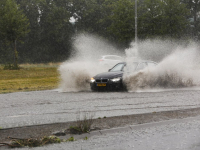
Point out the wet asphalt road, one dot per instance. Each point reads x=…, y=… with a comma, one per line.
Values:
x=41, y=107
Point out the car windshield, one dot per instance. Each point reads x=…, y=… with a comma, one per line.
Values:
x=117, y=67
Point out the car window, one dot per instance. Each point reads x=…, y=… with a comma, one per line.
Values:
x=117, y=67
x=141, y=66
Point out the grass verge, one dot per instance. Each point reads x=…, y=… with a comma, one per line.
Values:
x=15, y=142
x=29, y=78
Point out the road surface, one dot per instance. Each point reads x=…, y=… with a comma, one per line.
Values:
x=42, y=107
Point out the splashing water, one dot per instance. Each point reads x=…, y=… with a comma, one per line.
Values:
x=178, y=66
x=76, y=73
x=132, y=51
x=179, y=69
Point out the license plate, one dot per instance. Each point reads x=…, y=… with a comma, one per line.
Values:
x=101, y=84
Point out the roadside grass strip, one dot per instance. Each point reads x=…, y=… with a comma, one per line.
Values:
x=31, y=142
x=28, y=79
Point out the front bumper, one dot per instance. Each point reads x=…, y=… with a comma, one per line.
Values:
x=110, y=86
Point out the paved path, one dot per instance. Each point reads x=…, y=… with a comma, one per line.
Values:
x=40, y=107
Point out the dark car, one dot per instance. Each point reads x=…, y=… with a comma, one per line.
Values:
x=112, y=80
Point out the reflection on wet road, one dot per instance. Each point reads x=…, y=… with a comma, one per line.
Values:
x=41, y=107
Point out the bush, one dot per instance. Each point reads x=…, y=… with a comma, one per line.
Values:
x=71, y=139
x=11, y=67
x=82, y=125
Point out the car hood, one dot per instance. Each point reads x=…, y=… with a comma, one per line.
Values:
x=109, y=75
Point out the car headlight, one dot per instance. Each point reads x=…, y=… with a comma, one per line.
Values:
x=115, y=79
x=92, y=80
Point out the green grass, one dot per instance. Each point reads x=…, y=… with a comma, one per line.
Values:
x=71, y=139
x=29, y=78
x=31, y=142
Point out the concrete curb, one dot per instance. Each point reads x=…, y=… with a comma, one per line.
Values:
x=116, y=124
x=130, y=128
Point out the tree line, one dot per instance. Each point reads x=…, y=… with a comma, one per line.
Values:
x=39, y=31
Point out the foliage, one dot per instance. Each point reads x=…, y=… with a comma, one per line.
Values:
x=156, y=18
x=51, y=33
x=115, y=20
x=86, y=138
x=82, y=125
x=13, y=25
x=150, y=19
x=50, y=139
x=71, y=139
x=122, y=27
x=32, y=142
x=194, y=7
x=11, y=67
x=174, y=18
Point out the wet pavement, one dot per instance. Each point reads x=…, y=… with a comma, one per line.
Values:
x=43, y=107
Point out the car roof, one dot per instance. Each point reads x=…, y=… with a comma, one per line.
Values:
x=110, y=55
x=145, y=61
x=141, y=61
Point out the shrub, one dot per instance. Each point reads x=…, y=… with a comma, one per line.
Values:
x=82, y=125
x=11, y=67
x=71, y=139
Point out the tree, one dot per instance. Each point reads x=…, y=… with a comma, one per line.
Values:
x=194, y=7
x=13, y=25
x=50, y=39
x=122, y=27
x=156, y=18
x=32, y=39
x=150, y=18
x=56, y=30
x=88, y=14
x=174, y=18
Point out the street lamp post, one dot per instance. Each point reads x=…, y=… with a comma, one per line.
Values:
x=136, y=43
